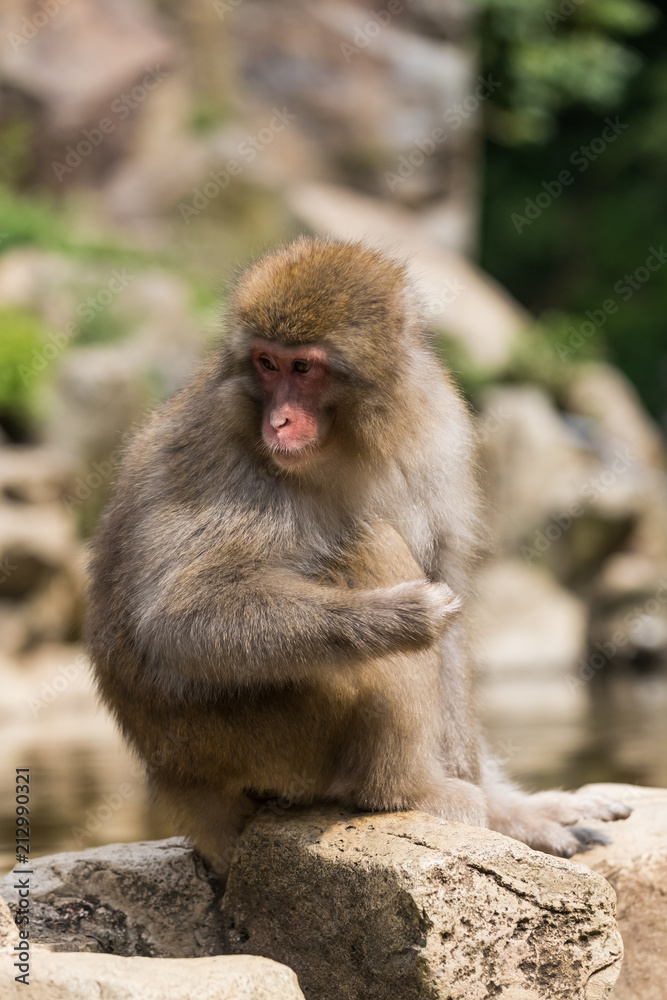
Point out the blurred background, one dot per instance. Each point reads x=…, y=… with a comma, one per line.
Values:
x=516, y=152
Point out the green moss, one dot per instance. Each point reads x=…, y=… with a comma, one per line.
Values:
x=32, y=221
x=21, y=340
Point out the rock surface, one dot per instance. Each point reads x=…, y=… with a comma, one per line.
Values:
x=405, y=905
x=635, y=863
x=367, y=905
x=9, y=933
x=89, y=977
x=146, y=899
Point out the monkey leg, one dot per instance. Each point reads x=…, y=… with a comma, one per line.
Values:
x=212, y=819
x=547, y=821
x=409, y=738
x=391, y=754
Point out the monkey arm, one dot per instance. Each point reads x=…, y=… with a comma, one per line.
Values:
x=271, y=627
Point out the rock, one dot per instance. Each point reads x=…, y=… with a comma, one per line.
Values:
x=635, y=864
x=606, y=397
x=76, y=61
x=34, y=474
x=9, y=932
x=536, y=465
x=406, y=905
x=458, y=298
x=40, y=281
x=530, y=623
x=150, y=899
x=388, y=91
x=40, y=575
x=88, y=977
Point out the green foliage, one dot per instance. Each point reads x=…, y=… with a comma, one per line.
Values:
x=101, y=328
x=27, y=220
x=582, y=248
x=551, y=54
x=21, y=336
x=15, y=150
x=543, y=355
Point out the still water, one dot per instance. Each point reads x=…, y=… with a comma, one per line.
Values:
x=87, y=790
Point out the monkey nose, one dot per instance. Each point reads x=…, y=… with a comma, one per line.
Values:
x=278, y=420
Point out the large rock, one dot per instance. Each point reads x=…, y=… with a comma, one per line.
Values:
x=636, y=865
x=89, y=977
x=603, y=395
x=9, y=932
x=146, y=899
x=40, y=576
x=388, y=88
x=531, y=625
x=406, y=905
x=377, y=905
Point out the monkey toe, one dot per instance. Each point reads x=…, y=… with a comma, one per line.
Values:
x=588, y=838
x=607, y=810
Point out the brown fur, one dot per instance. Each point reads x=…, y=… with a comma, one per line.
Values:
x=299, y=634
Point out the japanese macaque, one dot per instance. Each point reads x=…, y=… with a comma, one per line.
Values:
x=279, y=586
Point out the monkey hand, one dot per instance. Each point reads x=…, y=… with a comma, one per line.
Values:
x=426, y=610
x=442, y=606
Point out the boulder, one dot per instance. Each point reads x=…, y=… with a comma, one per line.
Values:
x=75, y=61
x=146, y=899
x=531, y=625
x=635, y=864
x=88, y=977
x=603, y=395
x=388, y=92
x=9, y=932
x=370, y=905
x=40, y=576
x=536, y=466
x=407, y=905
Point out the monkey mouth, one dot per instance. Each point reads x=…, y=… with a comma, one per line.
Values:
x=289, y=458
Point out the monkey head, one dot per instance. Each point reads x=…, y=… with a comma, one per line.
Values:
x=323, y=332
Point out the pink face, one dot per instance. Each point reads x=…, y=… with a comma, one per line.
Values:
x=294, y=382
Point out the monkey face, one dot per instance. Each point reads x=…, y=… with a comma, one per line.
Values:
x=295, y=383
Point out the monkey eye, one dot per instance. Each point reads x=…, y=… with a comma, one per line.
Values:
x=267, y=363
x=301, y=366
